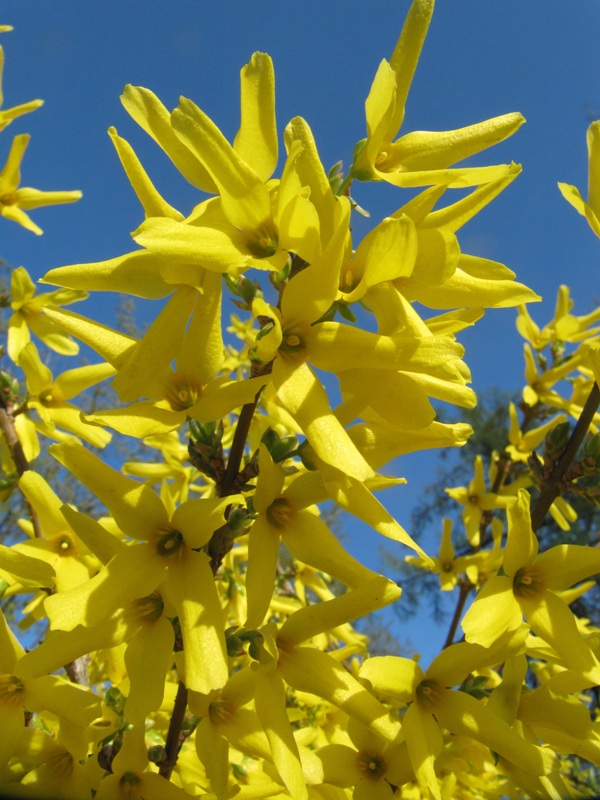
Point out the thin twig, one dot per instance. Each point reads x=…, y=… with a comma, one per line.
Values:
x=552, y=487
x=465, y=588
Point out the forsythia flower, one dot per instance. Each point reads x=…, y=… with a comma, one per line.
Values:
x=28, y=314
x=528, y=589
x=420, y=158
x=476, y=501
x=14, y=201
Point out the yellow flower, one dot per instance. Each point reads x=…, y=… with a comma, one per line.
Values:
x=73, y=704
x=14, y=201
x=49, y=396
x=447, y=565
x=59, y=546
x=476, y=500
x=28, y=313
x=563, y=327
x=141, y=624
x=433, y=706
x=528, y=588
x=420, y=158
x=131, y=777
x=523, y=444
x=167, y=549
x=283, y=514
x=591, y=209
x=370, y=765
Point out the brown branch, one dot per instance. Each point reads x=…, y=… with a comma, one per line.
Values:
x=552, y=487
x=465, y=588
x=174, y=738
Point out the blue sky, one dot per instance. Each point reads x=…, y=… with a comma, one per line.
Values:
x=481, y=59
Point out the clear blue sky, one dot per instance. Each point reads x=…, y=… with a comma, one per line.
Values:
x=539, y=57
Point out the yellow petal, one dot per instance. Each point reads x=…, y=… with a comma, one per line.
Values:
x=311, y=620
x=139, y=420
x=271, y=710
x=29, y=571
x=136, y=508
x=45, y=502
x=552, y=620
x=151, y=115
x=68, y=701
x=593, y=144
x=153, y=204
x=256, y=140
x=521, y=541
x=111, y=345
x=309, y=540
x=566, y=564
x=139, y=273
x=424, y=742
x=494, y=611
x=263, y=554
x=406, y=55
x=393, y=677
x=191, y=589
x=148, y=657
x=305, y=398
x=310, y=670
x=144, y=373
x=463, y=715
x=244, y=196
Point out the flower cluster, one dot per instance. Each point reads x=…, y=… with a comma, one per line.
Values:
x=206, y=622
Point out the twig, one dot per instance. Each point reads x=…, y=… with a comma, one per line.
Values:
x=173, y=742
x=552, y=487
x=465, y=588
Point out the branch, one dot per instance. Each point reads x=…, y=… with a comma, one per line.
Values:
x=552, y=487
x=465, y=588
x=174, y=735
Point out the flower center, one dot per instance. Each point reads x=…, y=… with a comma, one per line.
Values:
x=280, y=513
x=371, y=765
x=12, y=691
x=49, y=397
x=8, y=198
x=262, y=243
x=129, y=786
x=169, y=543
x=63, y=544
x=527, y=583
x=182, y=394
x=220, y=710
x=148, y=609
x=292, y=341
x=427, y=692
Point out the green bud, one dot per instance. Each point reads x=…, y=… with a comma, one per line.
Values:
x=556, y=441
x=115, y=700
x=9, y=386
x=156, y=754
x=235, y=646
x=305, y=452
x=591, y=448
x=238, y=519
x=335, y=170
x=283, y=273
